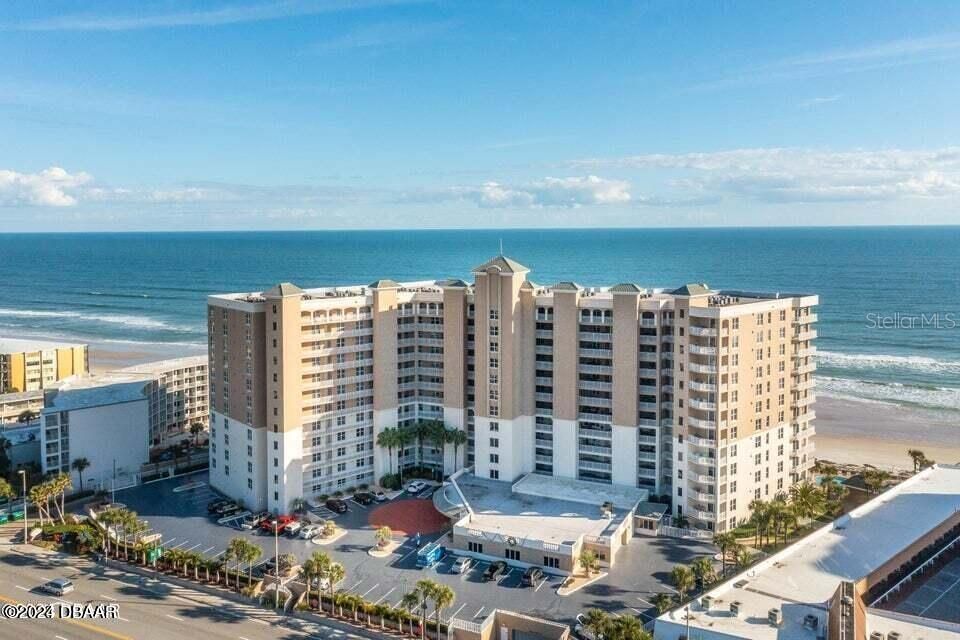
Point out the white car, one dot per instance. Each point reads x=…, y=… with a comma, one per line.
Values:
x=461, y=564
x=310, y=531
x=293, y=528
x=416, y=487
x=380, y=496
x=58, y=586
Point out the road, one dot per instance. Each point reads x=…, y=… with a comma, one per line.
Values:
x=149, y=609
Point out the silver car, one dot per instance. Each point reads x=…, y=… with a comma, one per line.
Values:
x=58, y=586
x=461, y=565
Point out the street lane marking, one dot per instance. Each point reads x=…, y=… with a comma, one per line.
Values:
x=59, y=637
x=106, y=597
x=83, y=625
x=22, y=588
x=124, y=619
x=173, y=617
x=384, y=596
x=260, y=621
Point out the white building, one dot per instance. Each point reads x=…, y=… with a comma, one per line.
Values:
x=888, y=570
x=106, y=423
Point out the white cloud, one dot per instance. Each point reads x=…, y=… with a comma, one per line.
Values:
x=53, y=187
x=571, y=192
x=804, y=175
x=224, y=15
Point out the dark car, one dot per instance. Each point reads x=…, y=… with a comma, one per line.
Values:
x=363, y=498
x=216, y=504
x=336, y=505
x=495, y=571
x=532, y=576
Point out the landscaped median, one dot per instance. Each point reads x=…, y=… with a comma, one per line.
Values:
x=306, y=591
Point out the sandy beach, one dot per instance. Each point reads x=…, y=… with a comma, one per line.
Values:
x=880, y=434
x=110, y=356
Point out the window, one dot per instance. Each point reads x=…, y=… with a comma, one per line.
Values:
x=494, y=314
x=249, y=483
x=494, y=474
x=551, y=562
x=494, y=427
x=495, y=443
x=511, y=554
x=475, y=547
x=494, y=458
x=494, y=363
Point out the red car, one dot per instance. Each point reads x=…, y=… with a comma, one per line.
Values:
x=279, y=523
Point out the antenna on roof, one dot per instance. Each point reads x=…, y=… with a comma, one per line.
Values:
x=501, y=247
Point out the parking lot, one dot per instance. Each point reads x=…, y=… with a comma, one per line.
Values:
x=177, y=509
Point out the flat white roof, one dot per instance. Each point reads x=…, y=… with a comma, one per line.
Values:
x=94, y=391
x=163, y=366
x=555, y=519
x=572, y=490
x=809, y=572
x=14, y=345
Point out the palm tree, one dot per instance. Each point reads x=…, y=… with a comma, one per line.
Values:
x=874, y=479
x=80, y=465
x=683, y=580
x=315, y=566
x=597, y=622
x=742, y=556
x=389, y=440
x=458, y=438
x=335, y=574
x=703, y=571
x=628, y=628
x=588, y=560
x=26, y=416
x=409, y=602
x=663, y=602
x=443, y=597
x=235, y=551
x=404, y=438
x=724, y=541
x=196, y=429
x=807, y=499
x=384, y=535
x=425, y=589
x=917, y=456
x=251, y=553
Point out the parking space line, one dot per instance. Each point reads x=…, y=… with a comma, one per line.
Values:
x=365, y=593
x=384, y=596
x=454, y=614
x=106, y=597
x=649, y=604
x=542, y=582
x=409, y=553
x=173, y=617
x=193, y=547
x=355, y=586
x=209, y=549
x=479, y=611
x=169, y=541
x=180, y=545
x=22, y=588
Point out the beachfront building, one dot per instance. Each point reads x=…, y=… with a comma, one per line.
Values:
x=178, y=396
x=105, y=422
x=701, y=395
x=888, y=570
x=20, y=406
x=31, y=365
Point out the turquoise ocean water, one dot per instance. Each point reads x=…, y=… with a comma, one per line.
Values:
x=890, y=297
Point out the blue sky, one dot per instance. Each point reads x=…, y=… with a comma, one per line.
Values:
x=366, y=113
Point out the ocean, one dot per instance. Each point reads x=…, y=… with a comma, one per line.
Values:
x=889, y=316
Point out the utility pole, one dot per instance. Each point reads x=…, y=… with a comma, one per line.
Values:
x=276, y=568
x=23, y=476
x=113, y=483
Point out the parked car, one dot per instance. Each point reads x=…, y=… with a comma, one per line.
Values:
x=337, y=505
x=380, y=496
x=230, y=510
x=216, y=504
x=293, y=528
x=532, y=576
x=461, y=564
x=255, y=520
x=363, y=497
x=277, y=524
x=323, y=584
x=495, y=571
x=225, y=508
x=580, y=630
x=416, y=487
x=57, y=586
x=310, y=531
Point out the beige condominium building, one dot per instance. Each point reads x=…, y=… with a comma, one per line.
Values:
x=702, y=395
x=31, y=365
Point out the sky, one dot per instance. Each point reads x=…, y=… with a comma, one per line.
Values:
x=327, y=114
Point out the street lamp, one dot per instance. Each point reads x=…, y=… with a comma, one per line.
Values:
x=23, y=476
x=276, y=556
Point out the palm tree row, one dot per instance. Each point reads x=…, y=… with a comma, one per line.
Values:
x=321, y=567
x=243, y=552
x=53, y=489
x=623, y=627
x=425, y=591
x=804, y=503
x=427, y=430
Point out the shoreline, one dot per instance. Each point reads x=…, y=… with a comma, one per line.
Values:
x=109, y=356
x=855, y=432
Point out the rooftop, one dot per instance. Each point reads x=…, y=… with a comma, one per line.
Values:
x=551, y=510
x=13, y=345
x=802, y=577
x=503, y=263
x=94, y=391
x=161, y=366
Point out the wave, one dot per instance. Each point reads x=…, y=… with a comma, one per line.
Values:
x=921, y=364
x=141, y=322
x=118, y=295
x=931, y=397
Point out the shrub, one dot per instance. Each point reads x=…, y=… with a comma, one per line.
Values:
x=363, y=486
x=390, y=481
x=323, y=497
x=338, y=494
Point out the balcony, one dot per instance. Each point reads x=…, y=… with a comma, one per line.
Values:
x=649, y=340
x=702, y=405
x=805, y=319
x=804, y=385
x=707, y=516
x=804, y=334
x=591, y=336
x=700, y=442
x=595, y=402
x=588, y=432
x=803, y=369
x=647, y=389
x=703, y=461
x=544, y=459
x=594, y=466
x=651, y=440
x=703, y=351
x=648, y=356
x=702, y=387
x=697, y=477
x=648, y=406
x=647, y=456
x=601, y=451
x=702, y=497
x=544, y=397
x=701, y=424
x=594, y=368
x=804, y=417
x=707, y=332
x=544, y=333
x=593, y=353
x=588, y=384
x=805, y=401
x=707, y=369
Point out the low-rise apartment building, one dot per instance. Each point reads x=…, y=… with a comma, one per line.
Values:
x=31, y=365
x=698, y=394
x=178, y=396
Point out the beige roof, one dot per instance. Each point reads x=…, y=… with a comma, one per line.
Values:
x=566, y=286
x=692, y=289
x=383, y=284
x=626, y=287
x=503, y=263
x=284, y=289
